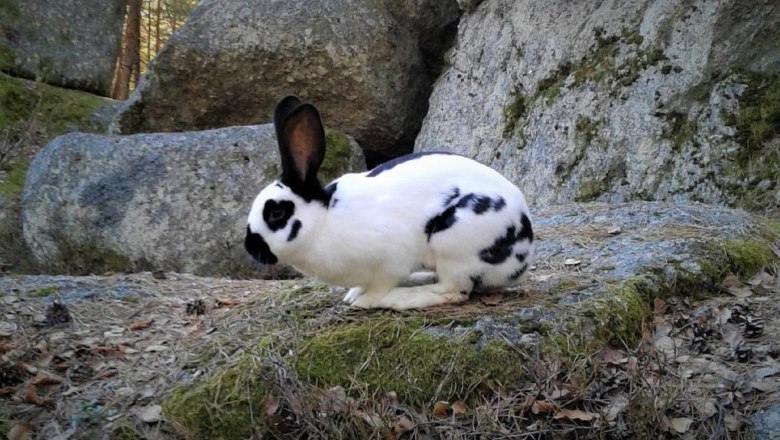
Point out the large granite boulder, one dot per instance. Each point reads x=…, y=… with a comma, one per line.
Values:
x=172, y=201
x=617, y=100
x=69, y=43
x=367, y=64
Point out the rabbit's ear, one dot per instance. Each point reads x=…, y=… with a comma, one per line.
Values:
x=301, y=143
x=283, y=110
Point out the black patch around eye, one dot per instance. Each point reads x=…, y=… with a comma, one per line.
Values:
x=258, y=248
x=276, y=214
x=390, y=164
x=526, y=232
x=441, y=222
x=520, y=257
x=296, y=226
x=501, y=249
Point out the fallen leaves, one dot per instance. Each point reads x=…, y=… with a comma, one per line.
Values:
x=225, y=301
x=20, y=431
x=575, y=414
x=140, y=325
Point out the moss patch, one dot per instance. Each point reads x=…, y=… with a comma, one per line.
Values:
x=392, y=355
x=680, y=130
x=88, y=259
x=337, y=155
x=756, y=166
x=514, y=111
x=590, y=190
x=758, y=117
x=12, y=183
x=222, y=407
x=54, y=108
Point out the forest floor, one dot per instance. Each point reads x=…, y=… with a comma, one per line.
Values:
x=95, y=357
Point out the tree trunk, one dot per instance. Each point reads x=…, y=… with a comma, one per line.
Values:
x=157, y=36
x=130, y=56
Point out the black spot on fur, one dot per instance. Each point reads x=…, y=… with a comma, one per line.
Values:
x=329, y=191
x=501, y=249
x=258, y=248
x=520, y=257
x=454, y=194
x=390, y=164
x=526, y=232
x=296, y=226
x=276, y=214
x=518, y=273
x=480, y=203
x=476, y=282
x=441, y=222
x=278, y=185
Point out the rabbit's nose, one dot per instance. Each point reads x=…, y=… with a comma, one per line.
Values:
x=258, y=248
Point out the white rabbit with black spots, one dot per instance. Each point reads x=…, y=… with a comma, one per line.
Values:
x=373, y=231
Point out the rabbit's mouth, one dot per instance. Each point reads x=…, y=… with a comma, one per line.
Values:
x=258, y=248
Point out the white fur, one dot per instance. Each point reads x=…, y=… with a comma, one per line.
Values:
x=374, y=237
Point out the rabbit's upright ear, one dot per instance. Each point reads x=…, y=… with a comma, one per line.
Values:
x=301, y=139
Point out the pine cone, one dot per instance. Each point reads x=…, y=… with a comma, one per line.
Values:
x=197, y=307
x=754, y=327
x=57, y=313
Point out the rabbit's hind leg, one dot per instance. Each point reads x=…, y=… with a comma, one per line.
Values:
x=416, y=297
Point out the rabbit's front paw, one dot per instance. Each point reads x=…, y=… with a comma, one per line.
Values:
x=353, y=294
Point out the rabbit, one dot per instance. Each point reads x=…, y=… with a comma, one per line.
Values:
x=462, y=221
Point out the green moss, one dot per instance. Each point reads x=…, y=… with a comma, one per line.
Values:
x=680, y=130
x=271, y=172
x=746, y=256
x=550, y=86
x=741, y=256
x=337, y=155
x=756, y=121
x=757, y=118
x=514, y=111
x=589, y=190
x=56, y=109
x=585, y=129
x=12, y=183
x=391, y=355
x=125, y=431
x=227, y=406
x=45, y=291
x=6, y=57
x=88, y=258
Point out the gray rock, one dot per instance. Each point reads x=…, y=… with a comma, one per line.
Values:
x=766, y=423
x=69, y=43
x=366, y=64
x=173, y=201
x=619, y=100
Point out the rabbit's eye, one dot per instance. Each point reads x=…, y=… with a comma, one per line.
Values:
x=276, y=214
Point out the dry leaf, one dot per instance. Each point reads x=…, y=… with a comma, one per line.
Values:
x=7, y=328
x=6, y=346
x=614, y=230
x=615, y=407
x=659, y=306
x=270, y=405
x=458, y=408
x=20, y=431
x=681, y=425
x=226, y=301
x=611, y=355
x=575, y=414
x=440, y=409
x=571, y=262
x=30, y=396
x=140, y=325
x=542, y=406
x=44, y=379
x=7, y=390
x=558, y=393
x=106, y=373
x=403, y=425
x=492, y=299
x=392, y=398
x=155, y=348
